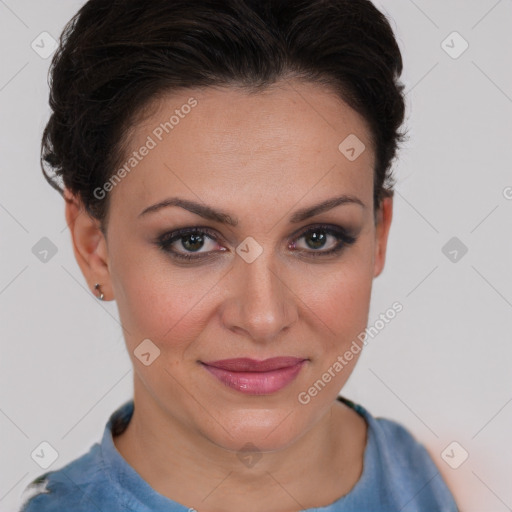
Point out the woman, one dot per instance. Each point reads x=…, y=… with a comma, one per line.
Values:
x=226, y=170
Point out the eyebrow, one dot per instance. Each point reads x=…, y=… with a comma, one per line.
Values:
x=221, y=217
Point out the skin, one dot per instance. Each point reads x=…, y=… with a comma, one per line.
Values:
x=260, y=157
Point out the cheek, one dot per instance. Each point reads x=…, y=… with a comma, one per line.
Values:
x=159, y=301
x=172, y=305
x=340, y=314
x=343, y=300
x=340, y=298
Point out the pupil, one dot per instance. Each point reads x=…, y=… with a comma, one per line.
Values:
x=195, y=240
x=318, y=240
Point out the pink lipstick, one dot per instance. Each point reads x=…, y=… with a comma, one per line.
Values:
x=256, y=377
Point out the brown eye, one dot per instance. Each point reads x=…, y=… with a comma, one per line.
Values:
x=183, y=243
x=333, y=239
x=192, y=242
x=316, y=239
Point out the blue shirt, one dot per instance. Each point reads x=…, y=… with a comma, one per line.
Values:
x=398, y=475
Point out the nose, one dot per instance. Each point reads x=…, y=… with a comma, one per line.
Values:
x=261, y=305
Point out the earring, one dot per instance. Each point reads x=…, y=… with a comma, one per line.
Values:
x=97, y=287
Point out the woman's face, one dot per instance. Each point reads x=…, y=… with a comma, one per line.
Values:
x=260, y=283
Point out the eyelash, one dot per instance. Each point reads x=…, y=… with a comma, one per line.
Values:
x=168, y=239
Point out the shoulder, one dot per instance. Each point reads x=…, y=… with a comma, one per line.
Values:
x=86, y=483
x=404, y=473
x=411, y=472
x=399, y=448
x=396, y=441
x=77, y=486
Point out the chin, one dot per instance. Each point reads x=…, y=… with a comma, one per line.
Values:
x=264, y=430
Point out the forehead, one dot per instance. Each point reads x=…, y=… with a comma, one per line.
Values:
x=213, y=142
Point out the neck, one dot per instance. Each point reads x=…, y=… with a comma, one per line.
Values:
x=187, y=467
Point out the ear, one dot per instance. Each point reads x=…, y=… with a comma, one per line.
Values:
x=384, y=216
x=89, y=245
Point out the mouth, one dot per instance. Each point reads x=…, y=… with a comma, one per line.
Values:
x=256, y=377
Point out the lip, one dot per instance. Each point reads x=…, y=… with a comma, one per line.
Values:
x=254, y=377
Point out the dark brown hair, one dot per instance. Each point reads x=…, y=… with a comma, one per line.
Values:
x=115, y=56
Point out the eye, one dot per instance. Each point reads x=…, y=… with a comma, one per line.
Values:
x=323, y=240
x=199, y=243
x=189, y=240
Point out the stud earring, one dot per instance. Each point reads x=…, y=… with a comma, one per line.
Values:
x=97, y=287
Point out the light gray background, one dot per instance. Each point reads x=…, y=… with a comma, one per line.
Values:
x=441, y=367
